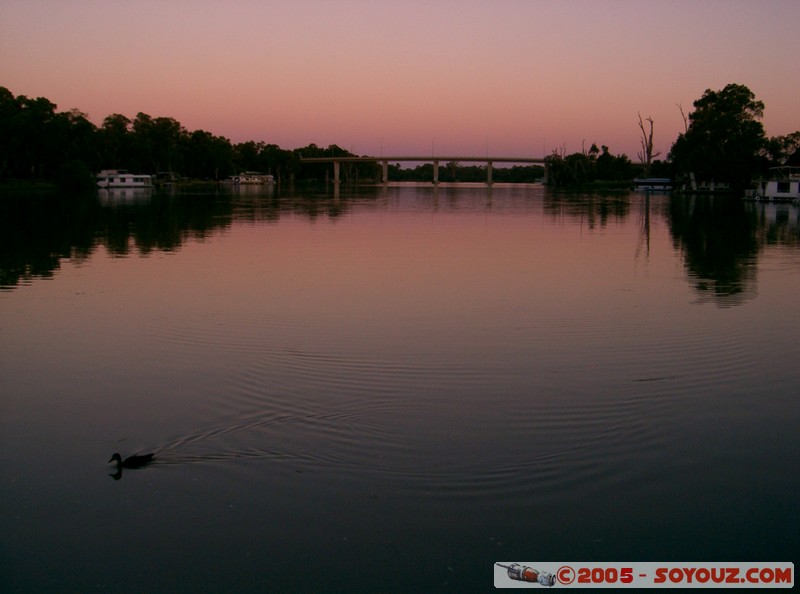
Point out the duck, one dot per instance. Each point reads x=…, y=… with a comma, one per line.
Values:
x=132, y=461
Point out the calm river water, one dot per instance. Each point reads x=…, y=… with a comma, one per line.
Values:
x=390, y=389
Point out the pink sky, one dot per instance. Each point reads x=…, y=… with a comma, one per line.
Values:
x=511, y=78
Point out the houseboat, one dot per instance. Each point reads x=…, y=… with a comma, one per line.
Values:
x=783, y=187
x=704, y=186
x=652, y=184
x=119, y=178
x=250, y=178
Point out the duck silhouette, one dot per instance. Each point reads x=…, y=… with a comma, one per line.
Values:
x=131, y=462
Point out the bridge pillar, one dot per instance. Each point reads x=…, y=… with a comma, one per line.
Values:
x=435, y=172
x=336, y=172
x=385, y=168
x=488, y=173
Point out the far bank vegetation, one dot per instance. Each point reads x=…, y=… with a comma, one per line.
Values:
x=39, y=143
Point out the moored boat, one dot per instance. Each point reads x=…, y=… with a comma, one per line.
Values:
x=251, y=178
x=119, y=178
x=784, y=186
x=652, y=184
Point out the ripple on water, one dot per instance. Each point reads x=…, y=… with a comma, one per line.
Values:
x=566, y=403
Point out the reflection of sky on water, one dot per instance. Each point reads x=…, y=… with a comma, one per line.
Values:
x=387, y=376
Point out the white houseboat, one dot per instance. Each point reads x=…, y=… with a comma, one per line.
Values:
x=119, y=178
x=251, y=178
x=652, y=184
x=783, y=187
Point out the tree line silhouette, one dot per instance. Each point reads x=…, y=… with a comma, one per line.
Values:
x=723, y=140
x=41, y=143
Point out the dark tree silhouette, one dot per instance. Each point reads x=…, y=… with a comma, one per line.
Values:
x=724, y=137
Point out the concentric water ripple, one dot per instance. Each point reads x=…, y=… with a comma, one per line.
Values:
x=395, y=420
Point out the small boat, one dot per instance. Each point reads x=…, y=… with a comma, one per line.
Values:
x=652, y=184
x=250, y=178
x=119, y=178
x=784, y=186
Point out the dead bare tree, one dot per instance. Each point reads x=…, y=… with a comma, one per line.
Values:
x=647, y=155
x=683, y=115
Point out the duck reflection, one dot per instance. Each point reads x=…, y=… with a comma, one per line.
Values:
x=131, y=462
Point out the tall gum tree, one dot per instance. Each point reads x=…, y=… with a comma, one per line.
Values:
x=724, y=137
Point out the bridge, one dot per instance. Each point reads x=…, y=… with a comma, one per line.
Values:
x=384, y=161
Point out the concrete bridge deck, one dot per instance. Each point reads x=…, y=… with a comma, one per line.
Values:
x=384, y=161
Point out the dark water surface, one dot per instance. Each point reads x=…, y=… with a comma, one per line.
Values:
x=391, y=389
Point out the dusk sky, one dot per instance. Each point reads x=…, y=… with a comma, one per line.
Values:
x=465, y=77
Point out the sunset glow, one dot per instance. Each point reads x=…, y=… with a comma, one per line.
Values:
x=512, y=78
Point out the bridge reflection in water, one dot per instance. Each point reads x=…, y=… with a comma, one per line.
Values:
x=384, y=161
